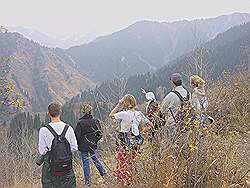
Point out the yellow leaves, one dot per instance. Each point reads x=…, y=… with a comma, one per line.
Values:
x=233, y=133
x=6, y=87
x=9, y=88
x=10, y=101
x=193, y=148
x=18, y=103
x=190, y=130
x=187, y=120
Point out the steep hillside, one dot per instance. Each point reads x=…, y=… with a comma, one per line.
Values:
x=40, y=74
x=224, y=53
x=146, y=46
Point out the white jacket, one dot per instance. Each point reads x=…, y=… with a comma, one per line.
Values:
x=172, y=101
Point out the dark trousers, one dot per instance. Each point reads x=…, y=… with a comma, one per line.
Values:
x=50, y=181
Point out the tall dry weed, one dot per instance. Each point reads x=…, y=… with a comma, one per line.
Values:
x=215, y=155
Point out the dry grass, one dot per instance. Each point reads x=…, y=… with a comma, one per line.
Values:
x=209, y=156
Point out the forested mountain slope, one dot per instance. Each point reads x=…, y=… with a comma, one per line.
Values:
x=146, y=45
x=224, y=53
x=40, y=74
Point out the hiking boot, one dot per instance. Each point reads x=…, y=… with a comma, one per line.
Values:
x=87, y=184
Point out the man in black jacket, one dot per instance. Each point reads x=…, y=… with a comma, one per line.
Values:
x=88, y=133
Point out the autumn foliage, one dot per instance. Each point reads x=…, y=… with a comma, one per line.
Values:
x=212, y=155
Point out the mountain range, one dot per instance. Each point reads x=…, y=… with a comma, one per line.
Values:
x=43, y=74
x=227, y=53
x=60, y=41
x=146, y=45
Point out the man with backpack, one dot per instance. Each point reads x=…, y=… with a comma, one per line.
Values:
x=57, y=141
x=172, y=102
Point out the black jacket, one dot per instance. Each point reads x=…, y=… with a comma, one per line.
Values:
x=88, y=133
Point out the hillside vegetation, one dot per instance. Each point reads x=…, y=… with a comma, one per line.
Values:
x=203, y=156
x=213, y=156
x=40, y=74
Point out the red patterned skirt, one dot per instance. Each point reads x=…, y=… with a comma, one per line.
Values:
x=126, y=159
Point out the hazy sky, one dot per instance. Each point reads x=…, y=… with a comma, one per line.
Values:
x=60, y=17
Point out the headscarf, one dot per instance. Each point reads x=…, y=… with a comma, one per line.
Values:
x=150, y=96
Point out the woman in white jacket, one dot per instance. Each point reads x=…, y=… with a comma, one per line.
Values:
x=199, y=98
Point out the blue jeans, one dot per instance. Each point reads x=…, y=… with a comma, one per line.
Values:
x=86, y=166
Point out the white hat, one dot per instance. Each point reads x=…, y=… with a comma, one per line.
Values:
x=150, y=96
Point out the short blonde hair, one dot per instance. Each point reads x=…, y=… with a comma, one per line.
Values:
x=198, y=81
x=129, y=102
x=86, y=108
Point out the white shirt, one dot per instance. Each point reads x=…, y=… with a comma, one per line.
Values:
x=46, y=137
x=131, y=120
x=172, y=101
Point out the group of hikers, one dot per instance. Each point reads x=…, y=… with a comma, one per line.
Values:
x=57, y=140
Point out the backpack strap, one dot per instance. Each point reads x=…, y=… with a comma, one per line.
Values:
x=64, y=130
x=52, y=131
x=178, y=95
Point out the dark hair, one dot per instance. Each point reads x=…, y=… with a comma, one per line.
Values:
x=54, y=109
x=178, y=83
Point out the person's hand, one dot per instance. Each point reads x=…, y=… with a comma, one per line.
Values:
x=147, y=127
x=143, y=91
x=121, y=101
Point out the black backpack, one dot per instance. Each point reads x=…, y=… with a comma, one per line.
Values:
x=60, y=155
